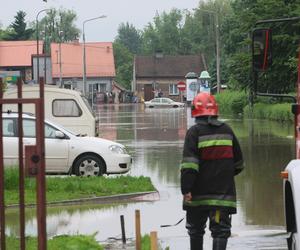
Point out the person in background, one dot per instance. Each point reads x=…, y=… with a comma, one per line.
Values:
x=160, y=93
x=211, y=158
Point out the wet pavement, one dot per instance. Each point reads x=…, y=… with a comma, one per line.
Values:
x=154, y=138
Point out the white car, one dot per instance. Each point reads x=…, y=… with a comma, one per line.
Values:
x=66, y=152
x=162, y=102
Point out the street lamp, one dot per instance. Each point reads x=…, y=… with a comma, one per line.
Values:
x=84, y=57
x=217, y=47
x=37, y=43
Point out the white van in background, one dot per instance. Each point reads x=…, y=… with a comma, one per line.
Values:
x=63, y=106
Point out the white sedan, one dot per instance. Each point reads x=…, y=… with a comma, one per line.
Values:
x=66, y=152
x=162, y=102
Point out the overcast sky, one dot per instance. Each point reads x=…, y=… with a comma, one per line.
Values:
x=136, y=12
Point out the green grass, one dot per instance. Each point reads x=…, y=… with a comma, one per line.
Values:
x=237, y=103
x=277, y=112
x=72, y=187
x=146, y=243
x=77, y=242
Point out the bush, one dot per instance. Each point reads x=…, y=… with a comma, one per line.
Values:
x=232, y=102
x=276, y=112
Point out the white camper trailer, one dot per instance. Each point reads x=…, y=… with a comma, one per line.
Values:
x=63, y=106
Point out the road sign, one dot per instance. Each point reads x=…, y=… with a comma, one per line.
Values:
x=181, y=86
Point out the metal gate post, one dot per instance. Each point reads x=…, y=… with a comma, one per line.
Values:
x=2, y=207
x=40, y=160
x=41, y=182
x=21, y=168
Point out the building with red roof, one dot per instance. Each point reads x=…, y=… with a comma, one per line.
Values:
x=63, y=66
x=17, y=56
x=67, y=64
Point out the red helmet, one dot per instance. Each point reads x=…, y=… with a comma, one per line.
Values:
x=204, y=104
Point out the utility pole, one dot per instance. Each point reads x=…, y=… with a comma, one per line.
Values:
x=218, y=54
x=60, y=63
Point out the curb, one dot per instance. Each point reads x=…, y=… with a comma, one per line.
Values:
x=131, y=197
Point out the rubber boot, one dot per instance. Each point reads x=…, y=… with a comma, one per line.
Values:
x=219, y=244
x=196, y=243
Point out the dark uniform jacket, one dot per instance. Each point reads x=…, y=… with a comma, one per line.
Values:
x=211, y=158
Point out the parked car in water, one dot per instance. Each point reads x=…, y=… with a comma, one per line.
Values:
x=66, y=152
x=162, y=102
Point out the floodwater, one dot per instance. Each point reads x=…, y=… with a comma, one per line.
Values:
x=154, y=138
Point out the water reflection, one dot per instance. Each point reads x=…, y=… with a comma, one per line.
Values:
x=155, y=137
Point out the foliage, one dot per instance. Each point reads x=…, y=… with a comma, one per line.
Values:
x=277, y=112
x=146, y=243
x=129, y=37
x=124, y=64
x=76, y=242
x=236, y=102
x=232, y=102
x=235, y=33
x=194, y=32
x=18, y=30
x=58, y=26
x=179, y=32
x=164, y=34
x=72, y=187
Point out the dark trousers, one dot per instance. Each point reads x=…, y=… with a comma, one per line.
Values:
x=219, y=225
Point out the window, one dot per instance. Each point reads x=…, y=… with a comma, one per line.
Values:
x=29, y=129
x=8, y=128
x=173, y=90
x=166, y=100
x=66, y=107
x=156, y=100
x=49, y=131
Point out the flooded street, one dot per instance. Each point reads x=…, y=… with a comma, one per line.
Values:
x=154, y=138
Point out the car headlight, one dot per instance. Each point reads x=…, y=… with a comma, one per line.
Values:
x=117, y=149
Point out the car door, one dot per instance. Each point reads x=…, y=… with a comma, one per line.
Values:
x=57, y=150
x=165, y=102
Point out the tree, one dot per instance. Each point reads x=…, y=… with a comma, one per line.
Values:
x=17, y=30
x=130, y=37
x=164, y=34
x=3, y=33
x=236, y=33
x=124, y=64
x=58, y=26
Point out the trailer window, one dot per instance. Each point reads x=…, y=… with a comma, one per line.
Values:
x=66, y=107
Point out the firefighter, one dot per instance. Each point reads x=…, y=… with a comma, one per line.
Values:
x=211, y=158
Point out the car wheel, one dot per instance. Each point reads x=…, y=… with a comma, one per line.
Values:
x=175, y=106
x=151, y=106
x=89, y=165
